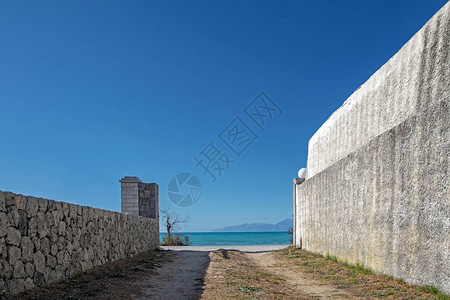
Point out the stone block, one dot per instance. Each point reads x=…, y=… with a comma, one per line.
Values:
x=53, y=234
x=16, y=285
x=3, y=224
x=86, y=265
x=43, y=205
x=45, y=246
x=20, y=202
x=60, y=273
x=27, y=247
x=13, y=236
x=29, y=284
x=51, y=261
x=14, y=254
x=57, y=215
x=39, y=262
x=62, y=228
x=39, y=279
x=3, y=251
x=65, y=209
x=42, y=228
x=29, y=270
x=23, y=222
x=7, y=269
x=67, y=259
x=32, y=227
x=9, y=199
x=32, y=207
x=54, y=249
x=73, y=211
x=2, y=202
x=69, y=247
x=60, y=257
x=19, y=270
x=13, y=216
x=3, y=286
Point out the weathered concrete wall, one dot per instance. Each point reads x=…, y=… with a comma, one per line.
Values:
x=415, y=77
x=386, y=205
x=377, y=187
x=43, y=241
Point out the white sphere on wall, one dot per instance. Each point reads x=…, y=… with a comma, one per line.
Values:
x=302, y=173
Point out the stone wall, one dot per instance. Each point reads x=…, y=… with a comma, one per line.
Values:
x=415, y=77
x=43, y=241
x=377, y=186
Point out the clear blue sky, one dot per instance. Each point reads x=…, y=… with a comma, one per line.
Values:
x=91, y=91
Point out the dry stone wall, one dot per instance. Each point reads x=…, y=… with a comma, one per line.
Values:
x=44, y=241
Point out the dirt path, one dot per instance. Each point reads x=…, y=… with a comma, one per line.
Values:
x=258, y=275
x=181, y=278
x=296, y=274
x=298, y=280
x=253, y=273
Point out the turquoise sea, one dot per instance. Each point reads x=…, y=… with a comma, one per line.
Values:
x=236, y=238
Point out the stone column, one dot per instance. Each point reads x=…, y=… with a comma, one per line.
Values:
x=297, y=181
x=130, y=195
x=148, y=200
x=139, y=198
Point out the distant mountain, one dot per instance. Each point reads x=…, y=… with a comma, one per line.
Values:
x=258, y=227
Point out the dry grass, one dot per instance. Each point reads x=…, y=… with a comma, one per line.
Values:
x=176, y=240
x=237, y=275
x=355, y=280
x=232, y=275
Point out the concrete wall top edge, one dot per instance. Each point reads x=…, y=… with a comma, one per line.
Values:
x=403, y=86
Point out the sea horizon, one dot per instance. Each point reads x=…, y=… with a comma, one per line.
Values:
x=213, y=238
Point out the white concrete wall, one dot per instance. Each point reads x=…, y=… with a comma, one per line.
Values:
x=386, y=205
x=415, y=77
x=377, y=187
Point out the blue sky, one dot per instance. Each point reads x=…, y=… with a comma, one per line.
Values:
x=91, y=91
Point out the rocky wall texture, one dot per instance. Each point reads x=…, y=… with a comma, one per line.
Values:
x=415, y=77
x=43, y=241
x=148, y=200
x=386, y=205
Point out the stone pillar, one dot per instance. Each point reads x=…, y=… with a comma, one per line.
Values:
x=139, y=198
x=130, y=195
x=148, y=200
x=297, y=181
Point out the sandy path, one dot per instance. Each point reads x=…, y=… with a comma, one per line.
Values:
x=181, y=278
x=297, y=280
